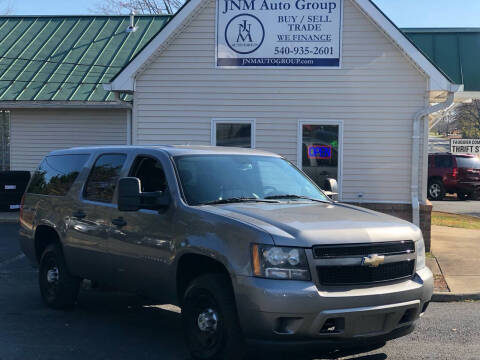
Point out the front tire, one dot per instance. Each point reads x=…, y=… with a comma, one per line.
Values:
x=210, y=320
x=59, y=289
x=436, y=190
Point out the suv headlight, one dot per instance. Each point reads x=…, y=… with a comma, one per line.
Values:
x=275, y=262
x=420, y=250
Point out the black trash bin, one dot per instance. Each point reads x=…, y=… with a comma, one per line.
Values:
x=12, y=186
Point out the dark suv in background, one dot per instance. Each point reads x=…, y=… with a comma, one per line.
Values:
x=453, y=174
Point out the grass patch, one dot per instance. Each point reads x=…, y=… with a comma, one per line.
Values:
x=454, y=220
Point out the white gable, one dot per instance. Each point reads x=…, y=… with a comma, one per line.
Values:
x=125, y=80
x=375, y=95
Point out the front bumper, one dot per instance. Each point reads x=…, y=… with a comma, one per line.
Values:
x=281, y=310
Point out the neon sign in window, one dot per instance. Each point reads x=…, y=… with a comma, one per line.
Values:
x=319, y=152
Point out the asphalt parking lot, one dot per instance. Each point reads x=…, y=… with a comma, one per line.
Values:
x=108, y=325
x=451, y=205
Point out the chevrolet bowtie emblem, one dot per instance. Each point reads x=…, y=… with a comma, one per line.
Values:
x=373, y=260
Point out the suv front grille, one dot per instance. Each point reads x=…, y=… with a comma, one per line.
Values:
x=354, y=250
x=359, y=275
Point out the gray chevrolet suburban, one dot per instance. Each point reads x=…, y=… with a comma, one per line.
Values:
x=244, y=242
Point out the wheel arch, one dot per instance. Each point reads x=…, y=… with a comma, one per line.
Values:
x=436, y=177
x=193, y=264
x=44, y=236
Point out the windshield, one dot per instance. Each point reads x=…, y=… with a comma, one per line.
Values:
x=210, y=178
x=468, y=162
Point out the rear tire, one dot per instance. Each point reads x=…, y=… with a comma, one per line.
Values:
x=436, y=190
x=59, y=289
x=210, y=320
x=464, y=196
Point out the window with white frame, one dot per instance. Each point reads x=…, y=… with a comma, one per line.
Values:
x=320, y=149
x=233, y=132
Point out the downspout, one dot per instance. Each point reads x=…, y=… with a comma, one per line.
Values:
x=118, y=99
x=419, y=116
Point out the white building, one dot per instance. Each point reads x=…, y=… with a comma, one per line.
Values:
x=361, y=120
x=372, y=109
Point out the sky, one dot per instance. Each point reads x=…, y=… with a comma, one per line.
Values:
x=404, y=13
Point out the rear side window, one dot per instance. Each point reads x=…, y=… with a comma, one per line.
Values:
x=103, y=178
x=443, y=161
x=56, y=174
x=468, y=162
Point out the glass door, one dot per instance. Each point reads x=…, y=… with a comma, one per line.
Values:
x=320, y=151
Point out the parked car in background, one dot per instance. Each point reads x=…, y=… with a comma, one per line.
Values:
x=249, y=247
x=453, y=174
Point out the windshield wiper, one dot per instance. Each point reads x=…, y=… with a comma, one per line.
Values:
x=237, y=200
x=293, y=196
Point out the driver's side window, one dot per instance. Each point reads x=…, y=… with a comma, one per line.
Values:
x=150, y=172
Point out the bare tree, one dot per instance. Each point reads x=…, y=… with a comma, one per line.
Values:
x=6, y=7
x=467, y=117
x=139, y=6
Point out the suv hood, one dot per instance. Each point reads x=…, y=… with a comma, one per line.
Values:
x=311, y=223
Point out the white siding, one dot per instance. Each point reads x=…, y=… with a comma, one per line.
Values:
x=34, y=133
x=375, y=94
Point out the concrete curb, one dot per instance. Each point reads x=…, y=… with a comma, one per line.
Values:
x=453, y=297
x=9, y=217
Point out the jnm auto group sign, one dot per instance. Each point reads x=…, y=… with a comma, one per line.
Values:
x=283, y=33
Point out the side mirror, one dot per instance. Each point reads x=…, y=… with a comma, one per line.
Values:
x=130, y=197
x=330, y=187
x=129, y=194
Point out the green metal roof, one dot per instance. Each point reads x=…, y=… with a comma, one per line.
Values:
x=455, y=51
x=68, y=58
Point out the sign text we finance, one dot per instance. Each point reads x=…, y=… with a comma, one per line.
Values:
x=235, y=5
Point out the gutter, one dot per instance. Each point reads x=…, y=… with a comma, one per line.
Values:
x=419, y=116
x=65, y=105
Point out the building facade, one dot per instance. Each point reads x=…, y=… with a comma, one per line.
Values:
x=360, y=121
x=354, y=123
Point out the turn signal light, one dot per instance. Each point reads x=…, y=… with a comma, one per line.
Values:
x=256, y=260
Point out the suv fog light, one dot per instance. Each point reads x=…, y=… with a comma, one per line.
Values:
x=288, y=325
x=333, y=326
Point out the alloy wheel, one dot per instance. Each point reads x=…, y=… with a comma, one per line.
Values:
x=435, y=191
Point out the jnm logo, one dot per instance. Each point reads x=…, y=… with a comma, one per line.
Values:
x=244, y=32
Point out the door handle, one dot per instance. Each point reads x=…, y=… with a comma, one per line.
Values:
x=79, y=214
x=119, y=222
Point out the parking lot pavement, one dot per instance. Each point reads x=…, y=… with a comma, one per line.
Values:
x=438, y=144
x=108, y=325
x=454, y=206
x=9, y=247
